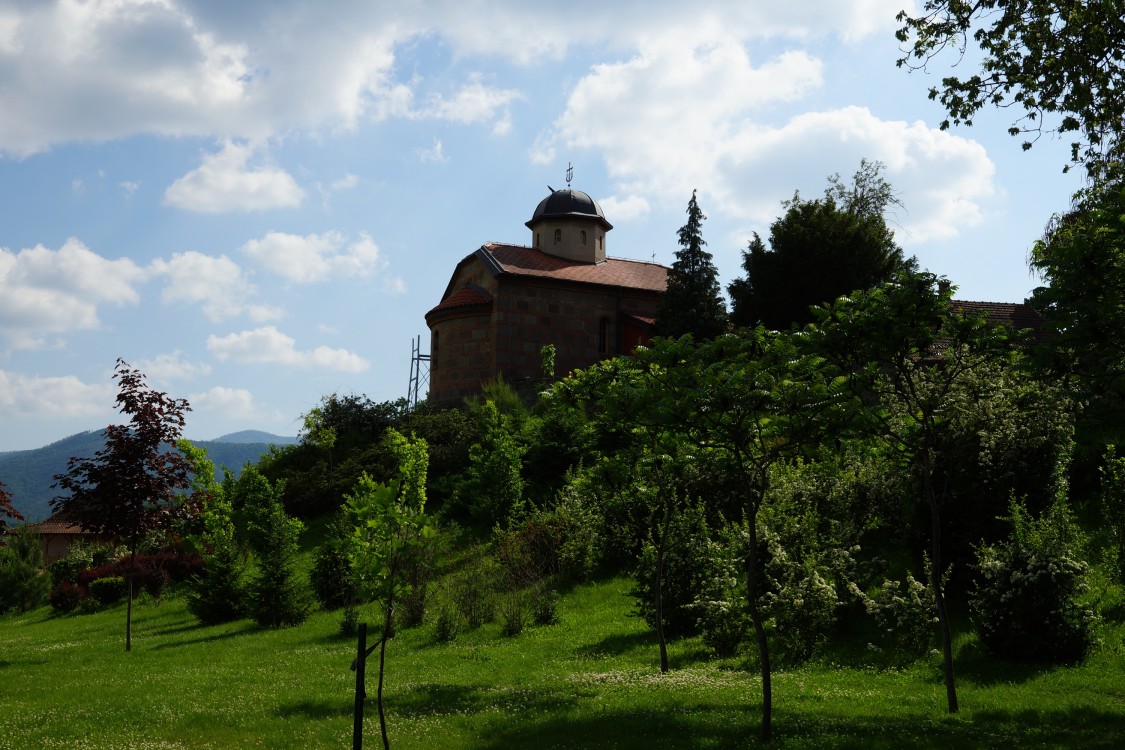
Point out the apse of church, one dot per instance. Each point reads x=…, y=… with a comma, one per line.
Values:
x=504, y=303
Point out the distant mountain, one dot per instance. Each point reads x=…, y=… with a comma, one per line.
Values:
x=256, y=436
x=30, y=474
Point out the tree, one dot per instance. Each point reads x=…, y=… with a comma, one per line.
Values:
x=391, y=528
x=819, y=250
x=6, y=508
x=22, y=584
x=279, y=596
x=1044, y=58
x=129, y=487
x=907, y=352
x=1082, y=260
x=693, y=301
x=761, y=397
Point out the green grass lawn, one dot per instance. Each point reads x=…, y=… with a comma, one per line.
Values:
x=590, y=682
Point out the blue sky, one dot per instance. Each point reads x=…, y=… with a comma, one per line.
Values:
x=257, y=202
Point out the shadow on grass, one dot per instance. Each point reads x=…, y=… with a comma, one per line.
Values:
x=247, y=629
x=311, y=709
x=974, y=665
x=429, y=698
x=616, y=645
x=703, y=728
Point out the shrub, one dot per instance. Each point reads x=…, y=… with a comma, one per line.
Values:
x=80, y=557
x=472, y=590
x=512, y=608
x=65, y=597
x=278, y=597
x=720, y=605
x=545, y=607
x=560, y=542
x=216, y=594
x=107, y=591
x=1027, y=601
x=447, y=626
x=1113, y=510
x=331, y=574
x=903, y=611
x=687, y=563
x=349, y=620
x=23, y=585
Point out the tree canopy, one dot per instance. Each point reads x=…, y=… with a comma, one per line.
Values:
x=129, y=487
x=1058, y=64
x=819, y=250
x=693, y=301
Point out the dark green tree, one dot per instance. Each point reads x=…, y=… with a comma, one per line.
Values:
x=819, y=250
x=1042, y=58
x=908, y=353
x=22, y=583
x=1082, y=260
x=693, y=301
x=278, y=594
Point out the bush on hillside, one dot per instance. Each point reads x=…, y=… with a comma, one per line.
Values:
x=23, y=585
x=1027, y=603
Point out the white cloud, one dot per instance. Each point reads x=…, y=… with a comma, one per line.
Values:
x=474, y=102
x=232, y=403
x=59, y=291
x=625, y=209
x=394, y=285
x=52, y=397
x=315, y=257
x=269, y=346
x=673, y=118
x=433, y=154
x=216, y=284
x=108, y=69
x=130, y=188
x=226, y=181
x=172, y=366
x=347, y=182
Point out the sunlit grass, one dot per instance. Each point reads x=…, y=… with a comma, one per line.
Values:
x=591, y=681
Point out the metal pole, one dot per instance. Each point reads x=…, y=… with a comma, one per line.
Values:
x=360, y=693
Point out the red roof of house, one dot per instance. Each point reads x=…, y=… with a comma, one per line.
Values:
x=58, y=524
x=519, y=260
x=1018, y=315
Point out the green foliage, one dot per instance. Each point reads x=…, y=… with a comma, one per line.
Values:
x=686, y=565
x=217, y=593
x=720, y=603
x=1028, y=601
x=1044, y=58
x=1082, y=262
x=107, y=591
x=81, y=556
x=277, y=595
x=1113, y=510
x=23, y=584
x=391, y=525
x=492, y=488
x=904, y=613
x=693, y=302
x=819, y=250
x=331, y=574
x=254, y=501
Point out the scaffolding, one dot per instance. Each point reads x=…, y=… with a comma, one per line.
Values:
x=419, y=373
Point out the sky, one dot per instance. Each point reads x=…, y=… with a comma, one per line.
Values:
x=256, y=203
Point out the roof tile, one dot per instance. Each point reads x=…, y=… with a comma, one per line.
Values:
x=519, y=260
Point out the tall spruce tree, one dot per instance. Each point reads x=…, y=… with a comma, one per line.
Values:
x=693, y=301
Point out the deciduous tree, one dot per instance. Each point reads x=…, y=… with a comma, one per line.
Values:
x=6, y=509
x=129, y=487
x=907, y=351
x=1058, y=64
x=819, y=250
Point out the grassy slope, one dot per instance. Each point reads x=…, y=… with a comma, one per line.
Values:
x=589, y=682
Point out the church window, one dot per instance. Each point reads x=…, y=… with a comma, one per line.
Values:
x=558, y=236
x=583, y=236
x=538, y=242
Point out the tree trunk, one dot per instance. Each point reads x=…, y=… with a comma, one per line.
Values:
x=129, y=606
x=660, y=554
x=387, y=624
x=360, y=690
x=759, y=627
x=939, y=595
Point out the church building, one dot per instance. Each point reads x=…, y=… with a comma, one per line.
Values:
x=504, y=303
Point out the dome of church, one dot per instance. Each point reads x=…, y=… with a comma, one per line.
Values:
x=563, y=204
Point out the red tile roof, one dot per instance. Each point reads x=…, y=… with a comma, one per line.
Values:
x=527, y=261
x=1018, y=315
x=466, y=296
x=58, y=524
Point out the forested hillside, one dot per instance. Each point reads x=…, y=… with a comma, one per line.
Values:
x=29, y=474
